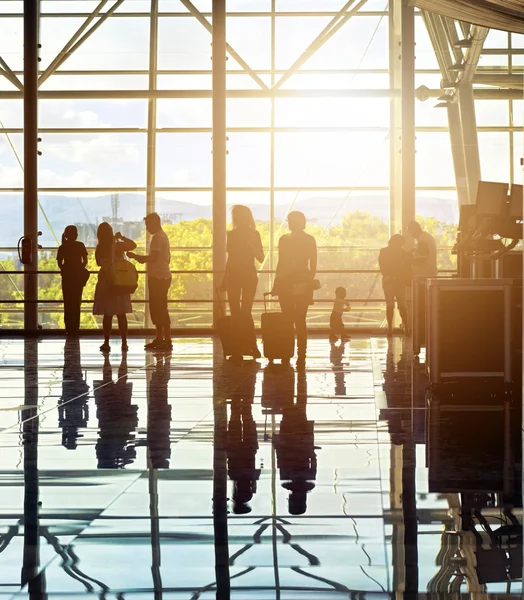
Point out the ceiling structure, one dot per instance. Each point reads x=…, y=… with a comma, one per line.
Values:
x=507, y=15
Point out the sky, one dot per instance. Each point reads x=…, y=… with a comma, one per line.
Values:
x=185, y=160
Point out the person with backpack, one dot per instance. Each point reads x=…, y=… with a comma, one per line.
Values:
x=72, y=261
x=158, y=281
x=110, y=298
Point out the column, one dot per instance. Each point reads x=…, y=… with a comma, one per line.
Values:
x=408, y=113
x=31, y=161
x=219, y=146
x=151, y=134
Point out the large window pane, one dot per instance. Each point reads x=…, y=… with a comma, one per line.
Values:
x=434, y=163
x=494, y=156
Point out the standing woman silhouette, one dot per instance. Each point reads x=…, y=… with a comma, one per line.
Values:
x=296, y=269
x=243, y=247
x=72, y=261
x=110, y=249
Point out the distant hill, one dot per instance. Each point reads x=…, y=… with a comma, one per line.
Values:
x=63, y=210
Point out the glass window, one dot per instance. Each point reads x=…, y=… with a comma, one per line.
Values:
x=183, y=160
x=331, y=159
x=92, y=160
x=494, y=156
x=492, y=112
x=434, y=162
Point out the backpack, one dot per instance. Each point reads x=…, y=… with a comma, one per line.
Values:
x=125, y=277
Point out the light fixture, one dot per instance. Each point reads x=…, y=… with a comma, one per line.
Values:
x=467, y=43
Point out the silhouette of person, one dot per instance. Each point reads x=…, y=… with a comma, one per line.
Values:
x=159, y=414
x=296, y=269
x=158, y=281
x=72, y=260
x=73, y=407
x=295, y=448
x=425, y=253
x=242, y=439
x=244, y=246
x=110, y=249
x=117, y=418
x=335, y=356
x=395, y=267
x=397, y=388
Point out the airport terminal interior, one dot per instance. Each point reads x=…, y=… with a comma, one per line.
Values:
x=368, y=157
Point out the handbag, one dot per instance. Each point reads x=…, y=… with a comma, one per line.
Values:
x=307, y=287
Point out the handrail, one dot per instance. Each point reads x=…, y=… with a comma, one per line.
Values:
x=211, y=272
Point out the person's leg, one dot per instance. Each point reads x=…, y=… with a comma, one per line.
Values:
x=333, y=325
x=389, y=296
x=301, y=308
x=287, y=306
x=166, y=284
x=234, y=293
x=76, y=303
x=66, y=295
x=122, y=325
x=107, y=324
x=400, y=294
x=154, y=309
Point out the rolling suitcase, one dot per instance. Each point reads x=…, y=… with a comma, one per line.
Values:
x=278, y=336
x=232, y=337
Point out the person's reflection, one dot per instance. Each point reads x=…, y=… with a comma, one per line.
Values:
x=242, y=440
x=73, y=407
x=397, y=388
x=159, y=414
x=335, y=356
x=117, y=418
x=295, y=448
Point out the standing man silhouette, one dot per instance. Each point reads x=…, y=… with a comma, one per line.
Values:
x=158, y=281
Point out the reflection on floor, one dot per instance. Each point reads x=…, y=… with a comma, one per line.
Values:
x=186, y=477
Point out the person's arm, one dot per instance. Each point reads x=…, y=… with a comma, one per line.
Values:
x=381, y=261
x=83, y=255
x=60, y=257
x=313, y=259
x=259, y=250
x=152, y=257
x=128, y=244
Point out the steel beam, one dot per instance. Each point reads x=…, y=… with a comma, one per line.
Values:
x=145, y=94
x=408, y=113
x=219, y=149
x=467, y=111
x=201, y=19
x=78, y=39
x=327, y=33
x=395, y=132
x=442, y=39
x=10, y=75
x=31, y=161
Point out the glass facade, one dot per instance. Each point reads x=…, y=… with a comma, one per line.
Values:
x=321, y=143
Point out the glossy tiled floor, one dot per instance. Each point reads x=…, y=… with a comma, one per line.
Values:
x=185, y=477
